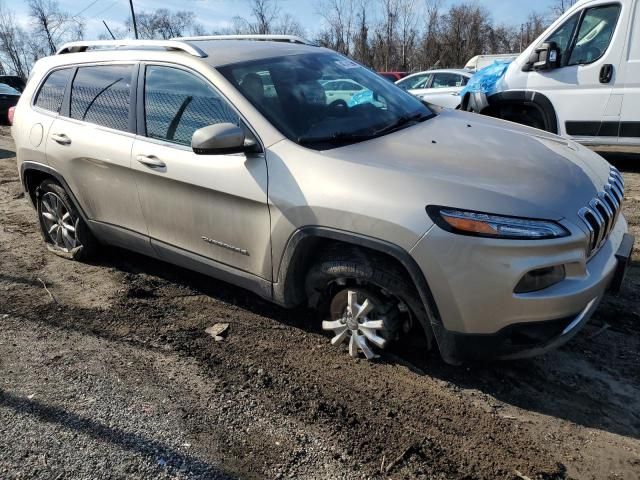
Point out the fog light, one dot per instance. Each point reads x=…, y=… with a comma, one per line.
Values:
x=540, y=279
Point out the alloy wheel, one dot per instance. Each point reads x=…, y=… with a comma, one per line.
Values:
x=58, y=222
x=359, y=323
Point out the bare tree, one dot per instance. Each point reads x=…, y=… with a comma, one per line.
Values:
x=339, y=17
x=265, y=12
x=53, y=25
x=561, y=6
x=14, y=45
x=166, y=24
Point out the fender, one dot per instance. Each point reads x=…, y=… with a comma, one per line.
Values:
x=287, y=289
x=26, y=166
x=479, y=102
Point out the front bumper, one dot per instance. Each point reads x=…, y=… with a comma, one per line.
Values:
x=473, y=279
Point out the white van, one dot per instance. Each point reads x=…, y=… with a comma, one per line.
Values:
x=579, y=79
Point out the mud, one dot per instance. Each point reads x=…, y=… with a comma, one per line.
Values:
x=108, y=373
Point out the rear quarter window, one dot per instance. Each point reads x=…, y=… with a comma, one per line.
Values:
x=52, y=91
x=102, y=94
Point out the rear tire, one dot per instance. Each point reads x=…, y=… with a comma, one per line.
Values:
x=64, y=231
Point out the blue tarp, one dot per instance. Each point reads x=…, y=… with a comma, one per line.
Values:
x=486, y=79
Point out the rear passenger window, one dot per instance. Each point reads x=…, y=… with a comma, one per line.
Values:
x=178, y=103
x=52, y=92
x=101, y=95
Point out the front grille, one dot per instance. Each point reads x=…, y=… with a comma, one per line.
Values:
x=602, y=212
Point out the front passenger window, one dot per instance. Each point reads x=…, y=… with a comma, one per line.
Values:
x=178, y=103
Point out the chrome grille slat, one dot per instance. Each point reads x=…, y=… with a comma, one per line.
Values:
x=601, y=213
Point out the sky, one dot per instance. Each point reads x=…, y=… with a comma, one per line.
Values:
x=215, y=14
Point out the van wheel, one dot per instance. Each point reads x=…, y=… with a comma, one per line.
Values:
x=63, y=230
x=366, y=303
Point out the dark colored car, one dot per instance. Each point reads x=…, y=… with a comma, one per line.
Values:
x=393, y=76
x=13, y=81
x=9, y=97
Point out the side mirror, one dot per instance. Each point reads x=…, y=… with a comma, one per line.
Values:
x=545, y=57
x=221, y=139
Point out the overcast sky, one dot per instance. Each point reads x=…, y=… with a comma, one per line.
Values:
x=218, y=13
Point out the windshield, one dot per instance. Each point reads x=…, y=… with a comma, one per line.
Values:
x=7, y=90
x=324, y=100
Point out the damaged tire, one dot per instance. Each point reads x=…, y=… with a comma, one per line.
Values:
x=366, y=301
x=63, y=230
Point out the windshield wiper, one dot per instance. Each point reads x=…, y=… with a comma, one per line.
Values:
x=343, y=138
x=402, y=122
x=338, y=138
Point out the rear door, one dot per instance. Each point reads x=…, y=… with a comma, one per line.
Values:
x=90, y=145
x=444, y=89
x=591, y=42
x=630, y=117
x=38, y=118
x=213, y=206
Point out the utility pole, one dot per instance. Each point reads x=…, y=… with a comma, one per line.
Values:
x=108, y=29
x=133, y=18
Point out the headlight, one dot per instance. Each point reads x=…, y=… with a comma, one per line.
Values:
x=481, y=224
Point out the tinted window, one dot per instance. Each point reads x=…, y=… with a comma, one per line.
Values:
x=594, y=35
x=52, y=92
x=178, y=103
x=101, y=95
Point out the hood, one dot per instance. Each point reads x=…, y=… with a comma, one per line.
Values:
x=479, y=163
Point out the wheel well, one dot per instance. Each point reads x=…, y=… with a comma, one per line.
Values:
x=525, y=107
x=32, y=178
x=305, y=248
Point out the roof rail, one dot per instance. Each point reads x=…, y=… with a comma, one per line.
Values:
x=83, y=46
x=264, y=38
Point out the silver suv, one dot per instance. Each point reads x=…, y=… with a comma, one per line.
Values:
x=237, y=158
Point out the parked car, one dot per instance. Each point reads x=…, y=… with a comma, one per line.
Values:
x=579, y=79
x=481, y=61
x=13, y=81
x=9, y=97
x=393, y=76
x=341, y=90
x=440, y=87
x=495, y=240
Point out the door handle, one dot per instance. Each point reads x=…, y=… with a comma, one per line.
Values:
x=606, y=73
x=61, y=138
x=151, y=161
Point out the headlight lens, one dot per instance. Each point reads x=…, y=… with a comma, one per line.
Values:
x=494, y=226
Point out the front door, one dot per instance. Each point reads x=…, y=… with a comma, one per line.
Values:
x=590, y=45
x=630, y=118
x=213, y=206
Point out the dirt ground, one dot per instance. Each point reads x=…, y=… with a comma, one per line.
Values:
x=108, y=373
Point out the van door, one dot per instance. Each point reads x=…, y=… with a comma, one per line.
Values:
x=90, y=143
x=590, y=43
x=630, y=117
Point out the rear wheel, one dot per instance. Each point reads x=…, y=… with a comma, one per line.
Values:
x=63, y=230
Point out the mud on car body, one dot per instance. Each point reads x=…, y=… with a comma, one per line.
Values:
x=225, y=156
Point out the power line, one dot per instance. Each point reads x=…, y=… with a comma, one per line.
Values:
x=86, y=8
x=109, y=7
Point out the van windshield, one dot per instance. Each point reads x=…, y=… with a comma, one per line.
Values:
x=325, y=100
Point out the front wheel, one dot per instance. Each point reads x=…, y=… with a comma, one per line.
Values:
x=366, y=301
x=63, y=230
